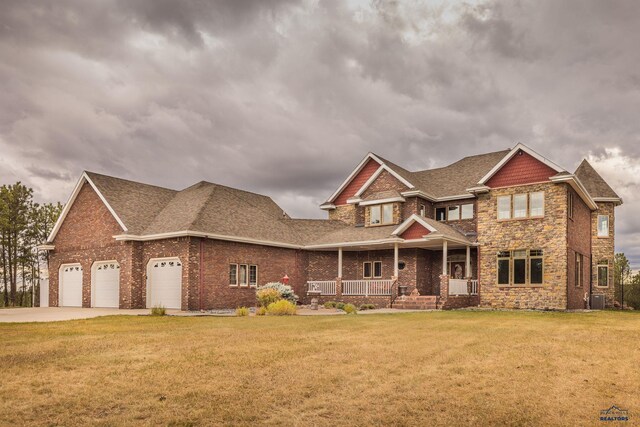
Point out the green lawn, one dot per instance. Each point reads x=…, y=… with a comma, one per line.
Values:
x=442, y=368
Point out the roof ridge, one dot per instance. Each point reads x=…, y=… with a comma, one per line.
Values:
x=89, y=173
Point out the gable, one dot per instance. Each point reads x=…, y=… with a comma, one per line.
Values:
x=521, y=169
x=357, y=182
x=415, y=231
x=384, y=182
x=88, y=222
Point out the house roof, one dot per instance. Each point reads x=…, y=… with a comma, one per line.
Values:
x=593, y=182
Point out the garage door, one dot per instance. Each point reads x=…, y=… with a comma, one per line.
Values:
x=165, y=283
x=106, y=285
x=71, y=285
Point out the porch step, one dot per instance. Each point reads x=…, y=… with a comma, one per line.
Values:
x=420, y=302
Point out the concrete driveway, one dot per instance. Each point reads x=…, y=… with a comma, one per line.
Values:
x=53, y=314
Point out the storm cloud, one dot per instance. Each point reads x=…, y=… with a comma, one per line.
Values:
x=286, y=97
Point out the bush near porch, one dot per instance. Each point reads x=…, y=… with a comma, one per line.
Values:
x=435, y=368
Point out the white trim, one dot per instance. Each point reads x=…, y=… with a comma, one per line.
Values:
x=67, y=207
x=375, y=176
x=351, y=244
x=419, y=193
x=351, y=176
x=479, y=189
x=185, y=233
x=460, y=196
x=578, y=187
x=353, y=200
x=409, y=221
x=327, y=206
x=45, y=247
x=617, y=200
x=381, y=201
x=511, y=154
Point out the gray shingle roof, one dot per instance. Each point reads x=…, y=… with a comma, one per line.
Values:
x=593, y=182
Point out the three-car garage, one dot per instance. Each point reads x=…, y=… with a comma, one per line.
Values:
x=163, y=287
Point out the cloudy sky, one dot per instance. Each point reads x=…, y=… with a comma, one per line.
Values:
x=285, y=97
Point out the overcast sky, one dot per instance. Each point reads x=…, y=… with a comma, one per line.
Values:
x=285, y=97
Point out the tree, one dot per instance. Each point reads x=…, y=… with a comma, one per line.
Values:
x=626, y=282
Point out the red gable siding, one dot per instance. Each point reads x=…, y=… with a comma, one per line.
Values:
x=415, y=231
x=521, y=169
x=358, y=181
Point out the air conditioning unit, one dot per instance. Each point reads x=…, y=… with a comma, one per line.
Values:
x=597, y=302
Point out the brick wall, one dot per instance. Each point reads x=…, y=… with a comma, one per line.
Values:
x=412, y=206
x=603, y=248
x=578, y=241
x=548, y=233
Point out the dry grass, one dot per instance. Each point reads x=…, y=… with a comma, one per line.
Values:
x=436, y=368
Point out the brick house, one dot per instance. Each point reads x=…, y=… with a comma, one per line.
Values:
x=508, y=229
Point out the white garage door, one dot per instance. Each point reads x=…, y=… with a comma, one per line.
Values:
x=71, y=285
x=106, y=285
x=165, y=283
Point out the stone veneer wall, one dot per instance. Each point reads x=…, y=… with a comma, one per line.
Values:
x=603, y=248
x=548, y=233
x=344, y=213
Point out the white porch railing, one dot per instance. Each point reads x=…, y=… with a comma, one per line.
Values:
x=460, y=287
x=326, y=287
x=474, y=287
x=367, y=287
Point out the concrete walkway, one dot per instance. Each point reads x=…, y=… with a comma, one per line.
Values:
x=53, y=314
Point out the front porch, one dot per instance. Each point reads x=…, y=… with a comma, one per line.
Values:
x=424, y=275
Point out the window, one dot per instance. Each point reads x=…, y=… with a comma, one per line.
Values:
x=578, y=272
x=374, y=215
x=423, y=210
x=377, y=269
x=536, y=204
x=387, y=213
x=570, y=206
x=381, y=214
x=454, y=213
x=233, y=274
x=467, y=211
x=253, y=275
x=536, y=267
x=603, y=273
x=603, y=225
x=401, y=265
x=520, y=206
x=366, y=270
x=372, y=269
x=441, y=214
x=504, y=259
x=243, y=275
x=504, y=207
x=520, y=267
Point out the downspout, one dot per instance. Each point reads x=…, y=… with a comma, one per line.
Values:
x=201, y=275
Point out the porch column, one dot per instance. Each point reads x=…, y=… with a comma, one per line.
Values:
x=340, y=263
x=395, y=260
x=444, y=257
x=467, y=267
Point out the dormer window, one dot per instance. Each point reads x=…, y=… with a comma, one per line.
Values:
x=381, y=214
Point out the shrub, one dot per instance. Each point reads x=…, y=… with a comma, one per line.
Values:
x=340, y=305
x=266, y=296
x=242, y=311
x=285, y=291
x=281, y=308
x=350, y=309
x=158, y=310
x=261, y=311
x=367, y=307
x=330, y=304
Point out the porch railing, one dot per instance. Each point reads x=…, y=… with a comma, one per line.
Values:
x=367, y=287
x=461, y=287
x=326, y=287
x=474, y=287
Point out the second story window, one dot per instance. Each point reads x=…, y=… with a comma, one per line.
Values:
x=466, y=211
x=441, y=214
x=504, y=207
x=455, y=212
x=603, y=225
x=381, y=214
x=521, y=206
x=423, y=210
